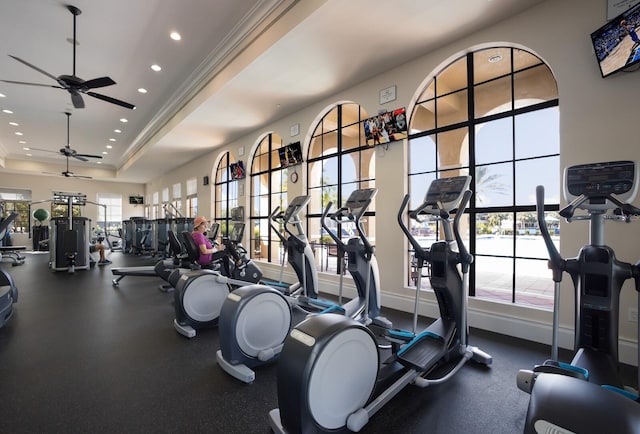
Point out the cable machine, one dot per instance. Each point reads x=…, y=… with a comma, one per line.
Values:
x=69, y=235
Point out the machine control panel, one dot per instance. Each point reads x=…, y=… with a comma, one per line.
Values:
x=447, y=191
x=597, y=181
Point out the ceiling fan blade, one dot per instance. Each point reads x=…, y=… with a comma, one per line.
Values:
x=42, y=71
x=44, y=150
x=111, y=100
x=81, y=176
x=98, y=82
x=87, y=155
x=77, y=100
x=32, y=84
x=79, y=157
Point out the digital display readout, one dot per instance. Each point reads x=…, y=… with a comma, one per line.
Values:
x=447, y=190
x=601, y=179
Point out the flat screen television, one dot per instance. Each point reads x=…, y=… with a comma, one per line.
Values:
x=136, y=200
x=290, y=154
x=617, y=43
x=237, y=170
x=386, y=127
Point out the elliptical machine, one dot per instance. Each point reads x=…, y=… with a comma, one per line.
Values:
x=297, y=249
x=330, y=377
x=255, y=320
x=8, y=296
x=199, y=294
x=588, y=395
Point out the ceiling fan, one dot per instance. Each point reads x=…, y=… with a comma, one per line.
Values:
x=72, y=83
x=70, y=153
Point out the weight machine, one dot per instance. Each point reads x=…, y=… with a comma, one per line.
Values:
x=70, y=235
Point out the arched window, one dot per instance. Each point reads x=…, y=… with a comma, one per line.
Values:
x=268, y=190
x=339, y=161
x=226, y=194
x=493, y=113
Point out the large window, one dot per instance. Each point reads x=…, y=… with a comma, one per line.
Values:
x=155, y=206
x=16, y=200
x=192, y=198
x=113, y=204
x=176, y=201
x=339, y=161
x=226, y=194
x=493, y=114
x=268, y=191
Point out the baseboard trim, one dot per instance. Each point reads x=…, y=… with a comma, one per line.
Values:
x=510, y=325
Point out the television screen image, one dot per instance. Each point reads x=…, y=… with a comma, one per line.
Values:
x=617, y=43
x=237, y=170
x=386, y=127
x=290, y=155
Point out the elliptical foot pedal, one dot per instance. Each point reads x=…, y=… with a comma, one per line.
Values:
x=420, y=353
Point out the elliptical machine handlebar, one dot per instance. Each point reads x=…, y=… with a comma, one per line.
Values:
x=277, y=214
x=233, y=251
x=556, y=262
x=345, y=215
x=414, y=215
x=336, y=217
x=465, y=257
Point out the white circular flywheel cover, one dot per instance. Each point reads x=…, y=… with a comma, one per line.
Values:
x=263, y=323
x=343, y=377
x=203, y=297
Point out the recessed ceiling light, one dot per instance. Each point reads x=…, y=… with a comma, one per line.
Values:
x=125, y=120
x=175, y=36
x=112, y=140
x=26, y=149
x=156, y=68
x=494, y=59
x=109, y=147
x=2, y=95
x=15, y=124
x=9, y=112
x=29, y=155
x=22, y=142
x=18, y=133
x=117, y=131
x=105, y=153
x=99, y=162
x=142, y=90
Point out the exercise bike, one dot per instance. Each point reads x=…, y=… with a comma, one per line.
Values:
x=587, y=395
x=255, y=320
x=330, y=375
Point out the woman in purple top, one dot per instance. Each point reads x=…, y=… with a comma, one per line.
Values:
x=200, y=226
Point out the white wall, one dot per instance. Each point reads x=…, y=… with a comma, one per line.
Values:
x=42, y=188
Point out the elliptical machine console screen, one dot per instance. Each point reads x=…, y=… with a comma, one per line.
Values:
x=597, y=181
x=359, y=200
x=448, y=191
x=236, y=233
x=296, y=205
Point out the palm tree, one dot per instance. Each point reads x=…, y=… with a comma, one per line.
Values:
x=487, y=182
